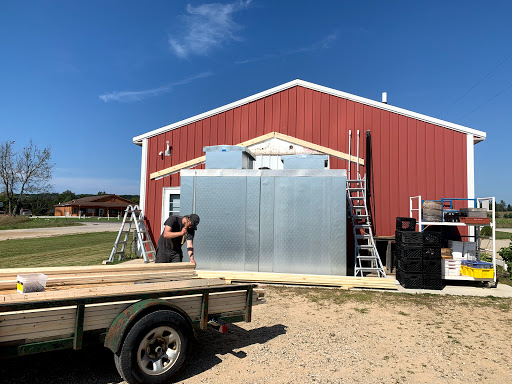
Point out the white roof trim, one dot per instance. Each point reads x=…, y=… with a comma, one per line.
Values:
x=478, y=135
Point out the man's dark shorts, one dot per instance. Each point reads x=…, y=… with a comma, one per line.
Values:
x=173, y=257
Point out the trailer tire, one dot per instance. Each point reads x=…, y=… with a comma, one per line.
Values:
x=154, y=349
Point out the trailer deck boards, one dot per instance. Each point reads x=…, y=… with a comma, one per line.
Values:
x=103, y=292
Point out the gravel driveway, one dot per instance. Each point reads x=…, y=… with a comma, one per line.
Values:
x=86, y=227
x=325, y=336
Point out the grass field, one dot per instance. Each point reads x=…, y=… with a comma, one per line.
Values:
x=83, y=249
x=23, y=222
x=503, y=223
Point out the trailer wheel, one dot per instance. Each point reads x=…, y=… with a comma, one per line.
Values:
x=154, y=349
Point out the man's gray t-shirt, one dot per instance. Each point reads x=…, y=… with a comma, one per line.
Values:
x=169, y=250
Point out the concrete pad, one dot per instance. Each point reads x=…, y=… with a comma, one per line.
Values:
x=463, y=288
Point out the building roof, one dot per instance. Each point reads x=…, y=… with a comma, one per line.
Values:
x=98, y=201
x=478, y=135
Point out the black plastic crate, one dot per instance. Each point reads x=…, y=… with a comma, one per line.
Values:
x=431, y=253
x=409, y=252
x=432, y=238
x=410, y=280
x=405, y=224
x=408, y=265
x=408, y=238
x=432, y=267
x=432, y=282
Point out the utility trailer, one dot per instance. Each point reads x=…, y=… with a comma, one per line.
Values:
x=148, y=326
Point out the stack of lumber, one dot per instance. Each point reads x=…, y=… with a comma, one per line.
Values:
x=100, y=281
x=102, y=275
x=344, y=282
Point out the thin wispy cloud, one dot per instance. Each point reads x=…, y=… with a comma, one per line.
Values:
x=322, y=44
x=131, y=96
x=207, y=26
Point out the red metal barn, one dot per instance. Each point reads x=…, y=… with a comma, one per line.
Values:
x=412, y=154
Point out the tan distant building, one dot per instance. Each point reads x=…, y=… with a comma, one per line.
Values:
x=99, y=206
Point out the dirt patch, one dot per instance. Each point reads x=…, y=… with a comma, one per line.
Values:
x=327, y=336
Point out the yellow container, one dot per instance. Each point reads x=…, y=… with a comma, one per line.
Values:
x=465, y=270
x=481, y=273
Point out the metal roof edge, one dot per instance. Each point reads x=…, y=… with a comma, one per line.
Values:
x=479, y=135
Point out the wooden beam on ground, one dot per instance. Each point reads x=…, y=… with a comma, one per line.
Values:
x=286, y=278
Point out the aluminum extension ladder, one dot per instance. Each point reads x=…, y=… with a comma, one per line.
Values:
x=367, y=258
x=133, y=215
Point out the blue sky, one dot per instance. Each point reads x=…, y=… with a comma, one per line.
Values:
x=85, y=77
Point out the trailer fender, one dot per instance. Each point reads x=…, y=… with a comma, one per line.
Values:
x=127, y=319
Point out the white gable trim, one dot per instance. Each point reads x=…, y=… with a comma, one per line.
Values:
x=478, y=135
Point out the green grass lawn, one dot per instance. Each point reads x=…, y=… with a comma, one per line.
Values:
x=78, y=220
x=503, y=223
x=83, y=249
x=503, y=235
x=22, y=222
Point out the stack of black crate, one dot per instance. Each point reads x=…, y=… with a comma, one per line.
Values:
x=418, y=256
x=408, y=249
x=431, y=254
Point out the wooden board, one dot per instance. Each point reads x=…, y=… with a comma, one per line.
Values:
x=284, y=278
x=7, y=273
x=111, y=290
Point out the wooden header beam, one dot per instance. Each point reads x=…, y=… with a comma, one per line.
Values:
x=256, y=140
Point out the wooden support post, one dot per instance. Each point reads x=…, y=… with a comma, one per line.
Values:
x=79, y=327
x=389, y=261
x=248, y=305
x=204, y=311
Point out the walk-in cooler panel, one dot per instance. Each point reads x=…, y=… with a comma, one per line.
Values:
x=289, y=221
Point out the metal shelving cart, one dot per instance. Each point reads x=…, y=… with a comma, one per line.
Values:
x=474, y=229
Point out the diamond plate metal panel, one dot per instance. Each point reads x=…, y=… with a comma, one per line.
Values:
x=220, y=203
x=290, y=221
x=338, y=235
x=252, y=224
x=301, y=225
x=266, y=224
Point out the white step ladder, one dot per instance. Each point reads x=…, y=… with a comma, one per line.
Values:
x=367, y=258
x=145, y=247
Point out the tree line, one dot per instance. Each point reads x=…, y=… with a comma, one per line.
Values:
x=25, y=177
x=43, y=204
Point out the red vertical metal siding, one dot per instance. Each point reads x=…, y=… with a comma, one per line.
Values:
x=409, y=157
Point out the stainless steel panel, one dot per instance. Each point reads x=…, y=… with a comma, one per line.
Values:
x=224, y=148
x=252, y=224
x=227, y=157
x=338, y=235
x=305, y=161
x=220, y=203
x=290, y=221
x=265, y=172
x=266, y=224
x=301, y=234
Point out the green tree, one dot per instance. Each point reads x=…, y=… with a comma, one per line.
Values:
x=65, y=196
x=23, y=172
x=101, y=193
